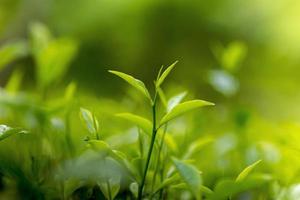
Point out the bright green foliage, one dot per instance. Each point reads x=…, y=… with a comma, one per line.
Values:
x=141, y=122
x=175, y=100
x=110, y=188
x=11, y=52
x=173, y=109
x=139, y=85
x=246, y=171
x=230, y=57
x=233, y=55
x=90, y=121
x=229, y=188
x=52, y=56
x=165, y=74
x=196, y=146
x=14, y=82
x=182, y=108
x=6, y=131
x=148, y=152
x=190, y=175
x=244, y=182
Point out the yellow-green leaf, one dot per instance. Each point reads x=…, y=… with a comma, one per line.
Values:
x=196, y=146
x=165, y=74
x=247, y=171
x=175, y=100
x=14, y=82
x=110, y=188
x=233, y=55
x=162, y=97
x=183, y=108
x=89, y=120
x=12, y=51
x=190, y=175
x=141, y=122
x=139, y=85
x=167, y=182
x=6, y=131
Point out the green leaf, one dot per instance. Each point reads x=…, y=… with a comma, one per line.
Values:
x=14, y=82
x=89, y=120
x=229, y=188
x=162, y=97
x=196, y=146
x=6, y=131
x=54, y=60
x=70, y=91
x=206, y=190
x=139, y=85
x=12, y=51
x=203, y=188
x=171, y=143
x=40, y=37
x=52, y=56
x=110, y=188
x=134, y=188
x=190, y=175
x=167, y=182
x=175, y=100
x=165, y=74
x=247, y=171
x=98, y=145
x=233, y=55
x=183, y=108
x=141, y=122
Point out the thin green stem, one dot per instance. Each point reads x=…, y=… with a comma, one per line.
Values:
x=154, y=131
x=96, y=127
x=159, y=156
x=109, y=189
x=68, y=133
x=141, y=144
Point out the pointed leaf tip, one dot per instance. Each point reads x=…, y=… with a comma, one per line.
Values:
x=247, y=171
x=165, y=74
x=136, y=83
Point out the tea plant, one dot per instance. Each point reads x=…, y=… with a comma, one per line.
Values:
x=175, y=109
x=48, y=158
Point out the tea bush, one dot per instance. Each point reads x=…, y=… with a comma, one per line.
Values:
x=48, y=151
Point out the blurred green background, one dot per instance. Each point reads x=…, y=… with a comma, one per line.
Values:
x=140, y=36
x=242, y=55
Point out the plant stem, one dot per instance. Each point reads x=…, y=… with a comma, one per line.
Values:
x=109, y=189
x=159, y=157
x=154, y=131
x=96, y=127
x=141, y=144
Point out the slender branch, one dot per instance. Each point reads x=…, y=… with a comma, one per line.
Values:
x=154, y=131
x=109, y=189
x=141, y=144
x=159, y=155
